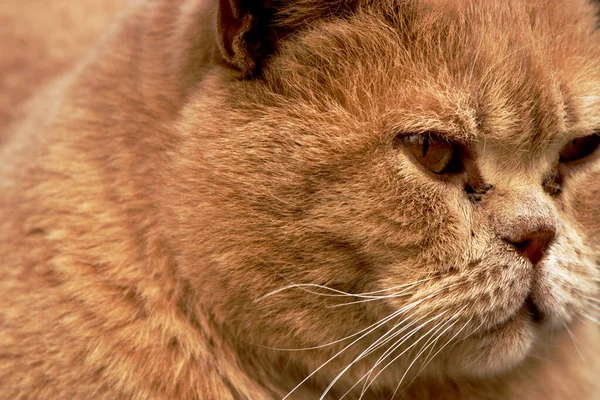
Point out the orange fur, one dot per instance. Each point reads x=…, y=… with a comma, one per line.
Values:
x=162, y=193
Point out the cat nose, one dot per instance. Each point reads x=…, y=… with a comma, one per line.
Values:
x=532, y=243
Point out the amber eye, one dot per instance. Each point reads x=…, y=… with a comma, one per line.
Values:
x=431, y=151
x=579, y=148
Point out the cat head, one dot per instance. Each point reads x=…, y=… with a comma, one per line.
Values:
x=412, y=174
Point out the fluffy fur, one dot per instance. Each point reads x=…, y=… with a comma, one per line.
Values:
x=168, y=202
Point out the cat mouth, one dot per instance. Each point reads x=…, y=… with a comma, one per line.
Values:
x=528, y=310
x=533, y=310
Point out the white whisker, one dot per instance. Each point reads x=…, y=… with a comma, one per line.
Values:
x=575, y=344
x=594, y=320
x=426, y=346
x=369, y=331
x=339, y=293
x=455, y=316
x=381, y=342
x=396, y=313
x=395, y=347
x=374, y=327
x=369, y=381
x=304, y=287
x=368, y=350
x=398, y=286
x=384, y=320
x=592, y=299
x=403, y=309
x=393, y=333
x=405, y=292
x=362, y=355
x=429, y=359
x=393, y=295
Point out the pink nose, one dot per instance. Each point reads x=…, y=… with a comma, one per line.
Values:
x=533, y=244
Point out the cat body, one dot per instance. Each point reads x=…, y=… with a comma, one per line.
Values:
x=220, y=202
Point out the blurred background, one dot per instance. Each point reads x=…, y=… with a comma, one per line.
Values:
x=39, y=39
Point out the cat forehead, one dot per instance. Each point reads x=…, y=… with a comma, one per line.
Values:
x=520, y=71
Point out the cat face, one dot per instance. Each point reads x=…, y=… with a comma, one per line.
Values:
x=419, y=179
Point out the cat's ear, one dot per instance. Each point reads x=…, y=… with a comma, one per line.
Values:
x=244, y=34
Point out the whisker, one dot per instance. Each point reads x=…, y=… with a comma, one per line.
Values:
x=304, y=286
x=369, y=381
x=384, y=320
x=397, y=345
x=339, y=293
x=393, y=333
x=575, y=344
x=403, y=309
x=398, y=286
x=367, y=351
x=395, y=314
x=392, y=348
x=582, y=320
x=361, y=356
x=374, y=327
x=393, y=295
x=455, y=316
x=402, y=293
x=419, y=354
x=594, y=320
x=428, y=360
x=383, y=342
x=592, y=299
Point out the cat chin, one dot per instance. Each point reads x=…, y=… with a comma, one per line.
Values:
x=495, y=351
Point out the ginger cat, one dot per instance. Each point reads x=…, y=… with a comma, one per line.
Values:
x=304, y=199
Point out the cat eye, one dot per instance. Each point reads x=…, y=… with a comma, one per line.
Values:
x=580, y=148
x=431, y=151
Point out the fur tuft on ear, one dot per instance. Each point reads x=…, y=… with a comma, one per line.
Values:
x=245, y=34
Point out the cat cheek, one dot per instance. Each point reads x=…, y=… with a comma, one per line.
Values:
x=562, y=282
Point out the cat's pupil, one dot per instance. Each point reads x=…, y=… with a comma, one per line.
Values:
x=431, y=151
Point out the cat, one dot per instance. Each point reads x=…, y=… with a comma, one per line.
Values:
x=305, y=199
